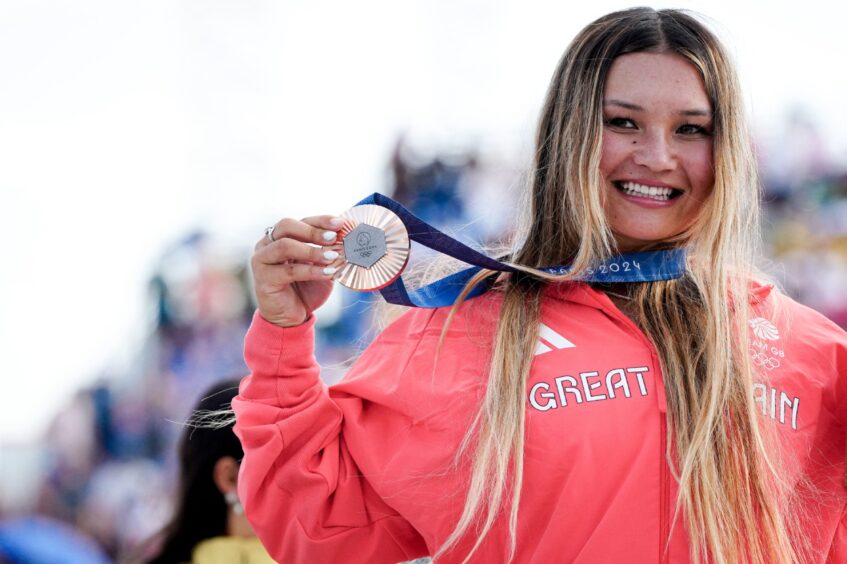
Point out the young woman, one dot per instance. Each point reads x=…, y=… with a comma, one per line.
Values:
x=697, y=419
x=208, y=525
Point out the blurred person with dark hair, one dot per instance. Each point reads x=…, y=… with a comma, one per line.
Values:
x=208, y=525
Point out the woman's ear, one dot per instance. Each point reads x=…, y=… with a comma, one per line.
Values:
x=225, y=474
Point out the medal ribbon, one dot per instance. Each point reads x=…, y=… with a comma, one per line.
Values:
x=646, y=266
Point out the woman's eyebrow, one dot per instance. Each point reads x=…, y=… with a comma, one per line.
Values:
x=637, y=108
x=703, y=113
x=622, y=104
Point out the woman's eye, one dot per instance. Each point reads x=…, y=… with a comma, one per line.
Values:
x=693, y=129
x=623, y=123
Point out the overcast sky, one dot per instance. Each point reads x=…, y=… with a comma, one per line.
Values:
x=123, y=124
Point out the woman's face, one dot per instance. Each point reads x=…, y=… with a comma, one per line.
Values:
x=657, y=161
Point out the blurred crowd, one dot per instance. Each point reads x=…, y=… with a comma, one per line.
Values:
x=805, y=220
x=109, y=456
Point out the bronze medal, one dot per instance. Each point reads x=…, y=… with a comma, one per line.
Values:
x=374, y=246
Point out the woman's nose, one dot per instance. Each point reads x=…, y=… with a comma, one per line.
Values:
x=654, y=152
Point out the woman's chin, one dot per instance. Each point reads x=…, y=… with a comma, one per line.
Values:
x=631, y=244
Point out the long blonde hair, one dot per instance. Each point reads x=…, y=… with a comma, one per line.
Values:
x=731, y=494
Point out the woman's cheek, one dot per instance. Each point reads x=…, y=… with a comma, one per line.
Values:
x=704, y=166
x=613, y=153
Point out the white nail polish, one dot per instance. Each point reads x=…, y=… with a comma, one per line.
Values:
x=330, y=270
x=329, y=235
x=336, y=221
x=330, y=255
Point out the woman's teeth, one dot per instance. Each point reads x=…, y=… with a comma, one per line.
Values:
x=640, y=190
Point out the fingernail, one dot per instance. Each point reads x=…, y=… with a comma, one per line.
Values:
x=330, y=255
x=336, y=221
x=330, y=270
x=329, y=235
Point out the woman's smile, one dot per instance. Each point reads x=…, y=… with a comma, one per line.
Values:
x=648, y=193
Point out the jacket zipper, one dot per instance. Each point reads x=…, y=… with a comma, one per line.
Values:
x=608, y=306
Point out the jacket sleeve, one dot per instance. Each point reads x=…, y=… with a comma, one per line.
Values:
x=305, y=495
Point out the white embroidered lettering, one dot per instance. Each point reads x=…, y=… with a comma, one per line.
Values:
x=767, y=398
x=590, y=383
x=548, y=395
x=622, y=383
x=587, y=387
x=795, y=406
x=638, y=375
x=572, y=389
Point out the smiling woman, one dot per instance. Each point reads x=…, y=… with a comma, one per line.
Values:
x=657, y=148
x=698, y=417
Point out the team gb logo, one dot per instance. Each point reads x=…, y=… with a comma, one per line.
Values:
x=764, y=329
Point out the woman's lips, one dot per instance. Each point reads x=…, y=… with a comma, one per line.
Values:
x=648, y=195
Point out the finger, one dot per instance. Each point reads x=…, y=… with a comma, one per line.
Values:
x=326, y=222
x=321, y=229
x=290, y=250
x=273, y=278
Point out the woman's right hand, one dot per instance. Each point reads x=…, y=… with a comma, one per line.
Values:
x=292, y=278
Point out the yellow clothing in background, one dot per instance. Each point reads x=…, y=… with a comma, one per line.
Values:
x=231, y=550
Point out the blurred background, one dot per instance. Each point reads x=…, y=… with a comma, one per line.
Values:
x=144, y=146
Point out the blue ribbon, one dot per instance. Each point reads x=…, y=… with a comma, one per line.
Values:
x=646, y=266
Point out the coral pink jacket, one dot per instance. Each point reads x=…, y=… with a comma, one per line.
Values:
x=364, y=471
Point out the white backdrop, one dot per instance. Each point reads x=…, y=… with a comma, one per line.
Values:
x=125, y=123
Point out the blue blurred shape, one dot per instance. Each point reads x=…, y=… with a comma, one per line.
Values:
x=40, y=540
